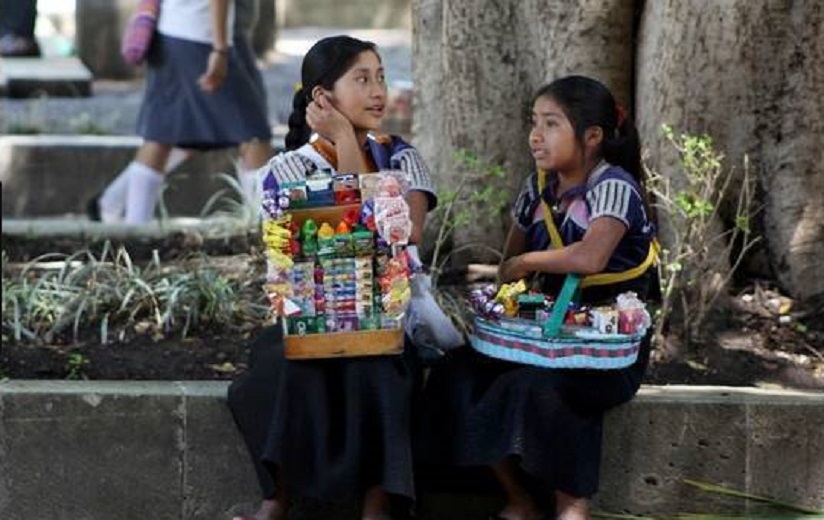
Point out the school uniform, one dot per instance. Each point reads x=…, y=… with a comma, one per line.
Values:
x=479, y=410
x=331, y=427
x=175, y=110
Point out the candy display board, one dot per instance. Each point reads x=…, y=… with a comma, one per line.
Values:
x=519, y=328
x=337, y=273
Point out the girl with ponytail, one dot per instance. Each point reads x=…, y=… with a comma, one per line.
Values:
x=334, y=429
x=583, y=211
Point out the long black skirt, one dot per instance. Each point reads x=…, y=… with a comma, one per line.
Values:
x=477, y=411
x=328, y=429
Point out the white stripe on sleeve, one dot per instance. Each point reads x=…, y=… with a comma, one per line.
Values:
x=611, y=198
x=289, y=167
x=410, y=161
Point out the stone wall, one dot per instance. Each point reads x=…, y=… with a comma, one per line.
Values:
x=137, y=450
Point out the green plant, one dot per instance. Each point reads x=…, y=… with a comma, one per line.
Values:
x=75, y=366
x=232, y=204
x=32, y=121
x=463, y=206
x=700, y=256
x=476, y=200
x=772, y=502
x=85, y=124
x=109, y=294
x=22, y=128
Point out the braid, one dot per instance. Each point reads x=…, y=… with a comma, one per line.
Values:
x=623, y=149
x=299, y=131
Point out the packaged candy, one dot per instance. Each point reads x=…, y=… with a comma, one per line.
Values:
x=633, y=317
x=398, y=185
x=309, y=237
x=369, y=322
x=296, y=191
x=319, y=189
x=395, y=290
x=364, y=243
x=604, y=319
x=529, y=305
x=346, y=188
x=302, y=326
x=367, y=215
x=508, y=296
x=368, y=184
x=343, y=241
x=346, y=323
x=326, y=241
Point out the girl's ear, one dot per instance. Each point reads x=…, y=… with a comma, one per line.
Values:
x=317, y=92
x=593, y=136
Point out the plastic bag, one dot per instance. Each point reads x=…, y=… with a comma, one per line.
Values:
x=430, y=329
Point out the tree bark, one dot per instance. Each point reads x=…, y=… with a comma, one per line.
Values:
x=476, y=66
x=749, y=74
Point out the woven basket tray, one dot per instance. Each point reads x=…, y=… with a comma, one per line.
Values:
x=544, y=344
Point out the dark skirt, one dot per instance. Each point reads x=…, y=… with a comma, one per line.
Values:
x=478, y=410
x=176, y=111
x=330, y=429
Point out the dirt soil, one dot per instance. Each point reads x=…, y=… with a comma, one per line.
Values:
x=772, y=356
x=767, y=341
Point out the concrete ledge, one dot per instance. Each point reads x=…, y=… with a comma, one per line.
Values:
x=28, y=77
x=55, y=227
x=100, y=450
x=58, y=174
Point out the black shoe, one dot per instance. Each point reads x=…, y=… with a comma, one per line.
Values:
x=13, y=46
x=93, y=208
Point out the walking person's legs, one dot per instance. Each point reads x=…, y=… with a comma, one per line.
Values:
x=17, y=19
x=253, y=155
x=110, y=205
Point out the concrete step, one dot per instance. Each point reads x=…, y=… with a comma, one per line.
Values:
x=137, y=450
x=51, y=75
x=27, y=239
x=49, y=175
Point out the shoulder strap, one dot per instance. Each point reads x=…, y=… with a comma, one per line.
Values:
x=600, y=278
x=554, y=235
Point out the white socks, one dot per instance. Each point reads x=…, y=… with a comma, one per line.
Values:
x=112, y=202
x=249, y=184
x=145, y=185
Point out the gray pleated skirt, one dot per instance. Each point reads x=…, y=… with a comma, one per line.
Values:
x=176, y=111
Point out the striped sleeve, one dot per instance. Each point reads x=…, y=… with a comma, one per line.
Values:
x=521, y=214
x=613, y=198
x=410, y=161
x=288, y=167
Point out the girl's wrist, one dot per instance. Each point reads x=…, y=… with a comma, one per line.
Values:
x=344, y=135
x=523, y=265
x=222, y=50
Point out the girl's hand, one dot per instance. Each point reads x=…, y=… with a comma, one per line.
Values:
x=513, y=269
x=215, y=72
x=323, y=118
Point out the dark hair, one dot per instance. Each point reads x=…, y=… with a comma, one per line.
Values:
x=323, y=65
x=587, y=102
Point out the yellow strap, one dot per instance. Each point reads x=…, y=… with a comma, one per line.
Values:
x=629, y=274
x=554, y=236
x=600, y=278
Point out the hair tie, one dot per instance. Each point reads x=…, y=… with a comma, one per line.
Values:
x=298, y=86
x=620, y=115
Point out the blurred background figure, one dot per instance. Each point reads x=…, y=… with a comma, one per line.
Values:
x=17, y=19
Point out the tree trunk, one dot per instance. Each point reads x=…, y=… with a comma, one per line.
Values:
x=749, y=74
x=476, y=66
